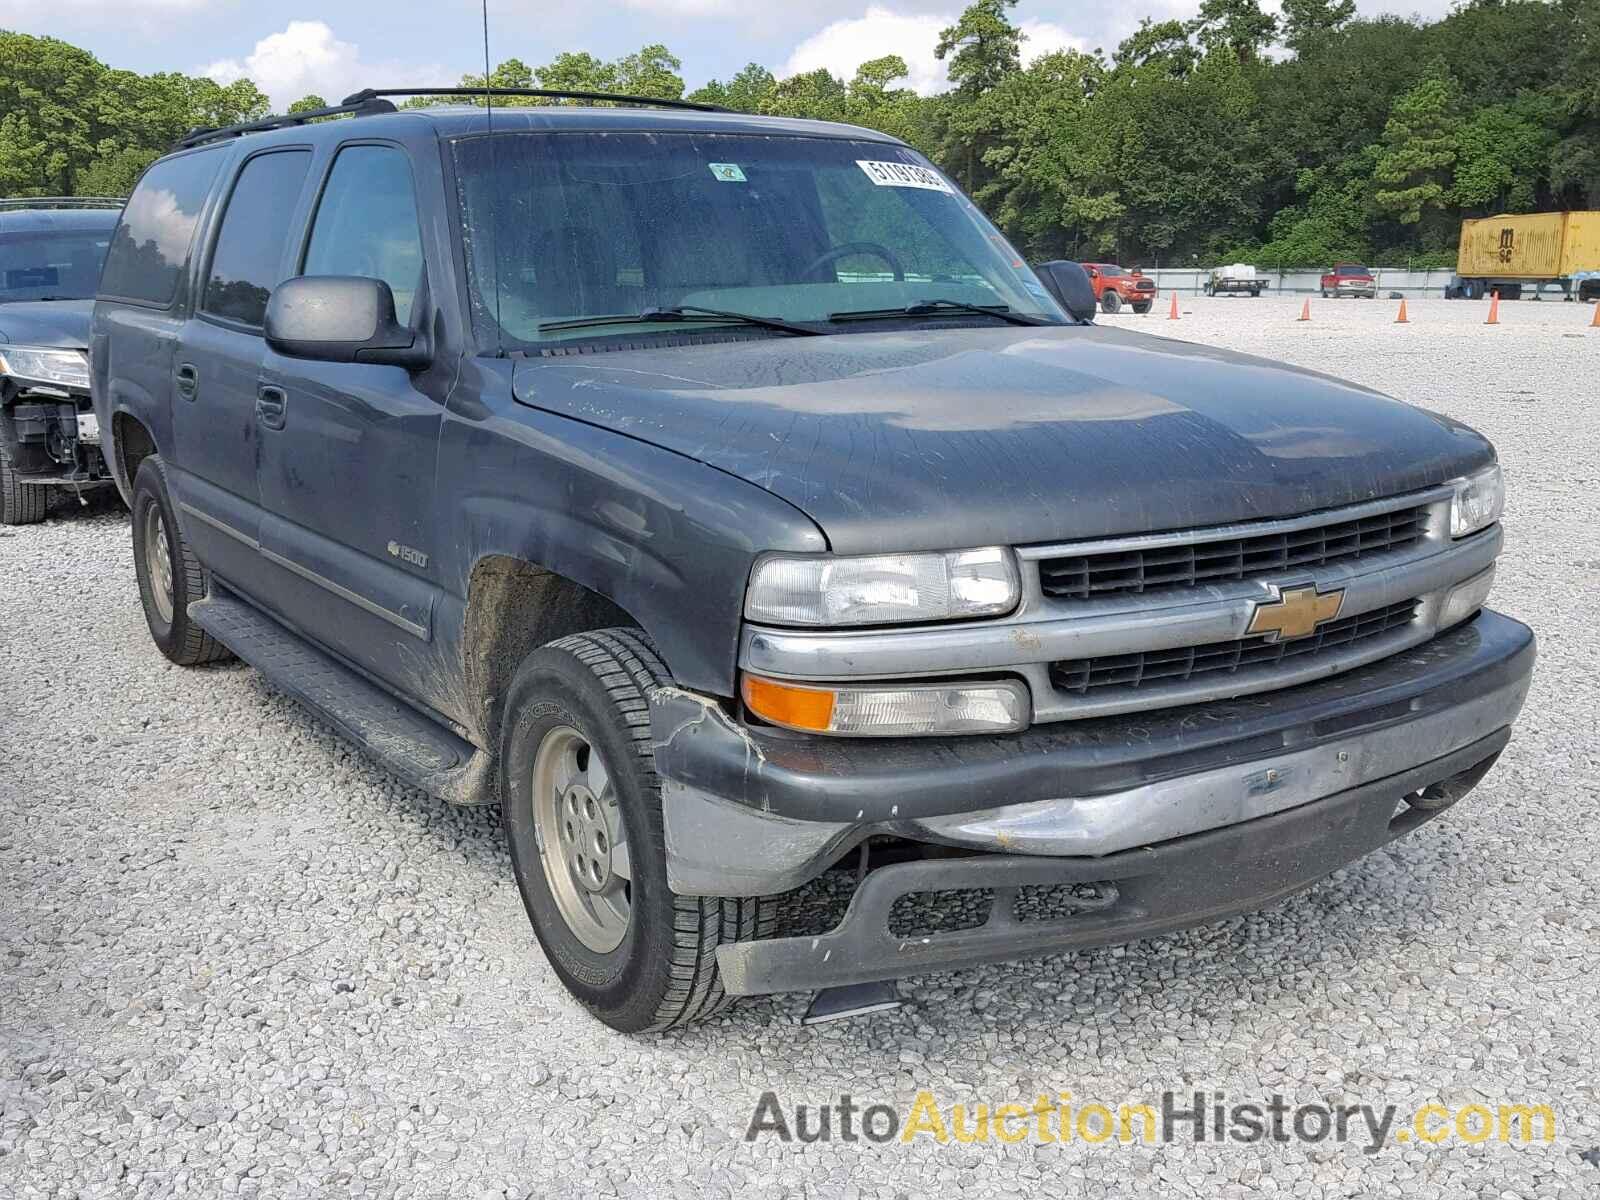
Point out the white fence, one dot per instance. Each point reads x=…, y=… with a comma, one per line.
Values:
x=1390, y=279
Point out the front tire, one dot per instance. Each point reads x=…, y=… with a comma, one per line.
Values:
x=1142, y=306
x=170, y=577
x=1110, y=302
x=582, y=813
x=21, y=503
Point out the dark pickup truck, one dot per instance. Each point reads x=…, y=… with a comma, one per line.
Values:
x=51, y=249
x=722, y=497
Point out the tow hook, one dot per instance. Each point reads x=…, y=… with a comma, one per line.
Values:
x=1447, y=791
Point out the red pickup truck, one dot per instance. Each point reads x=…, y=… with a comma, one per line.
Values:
x=1349, y=279
x=1115, y=286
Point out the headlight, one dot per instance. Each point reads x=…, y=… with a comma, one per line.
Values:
x=876, y=589
x=1477, y=502
x=890, y=709
x=39, y=364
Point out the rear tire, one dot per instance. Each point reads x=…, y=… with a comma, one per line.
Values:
x=21, y=503
x=170, y=577
x=1110, y=302
x=575, y=743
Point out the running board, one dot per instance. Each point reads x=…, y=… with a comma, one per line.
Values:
x=398, y=737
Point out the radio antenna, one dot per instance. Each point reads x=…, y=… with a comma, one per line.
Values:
x=494, y=186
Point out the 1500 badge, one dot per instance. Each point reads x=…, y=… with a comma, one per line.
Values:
x=407, y=555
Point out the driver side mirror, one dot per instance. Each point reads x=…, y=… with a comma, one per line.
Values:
x=1069, y=283
x=340, y=318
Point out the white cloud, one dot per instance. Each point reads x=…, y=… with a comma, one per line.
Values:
x=1046, y=37
x=306, y=57
x=845, y=44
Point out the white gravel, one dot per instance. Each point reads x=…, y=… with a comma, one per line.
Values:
x=237, y=959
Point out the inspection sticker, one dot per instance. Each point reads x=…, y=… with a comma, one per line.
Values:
x=728, y=172
x=899, y=174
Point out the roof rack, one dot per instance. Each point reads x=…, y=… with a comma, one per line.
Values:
x=371, y=101
x=361, y=107
x=368, y=94
x=18, y=203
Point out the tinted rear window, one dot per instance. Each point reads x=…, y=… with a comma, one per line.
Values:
x=151, y=245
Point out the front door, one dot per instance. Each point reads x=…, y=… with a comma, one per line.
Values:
x=347, y=472
x=217, y=370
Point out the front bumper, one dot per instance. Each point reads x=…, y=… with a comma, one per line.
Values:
x=751, y=811
x=1136, y=893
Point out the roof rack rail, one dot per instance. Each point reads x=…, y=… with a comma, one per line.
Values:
x=368, y=94
x=365, y=106
x=17, y=203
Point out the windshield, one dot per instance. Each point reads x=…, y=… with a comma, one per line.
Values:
x=1108, y=269
x=51, y=264
x=563, y=226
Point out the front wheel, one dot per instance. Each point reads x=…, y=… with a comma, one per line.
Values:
x=581, y=805
x=169, y=574
x=21, y=503
x=1142, y=306
x=1110, y=302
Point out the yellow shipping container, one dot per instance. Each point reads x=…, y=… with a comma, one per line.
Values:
x=1530, y=246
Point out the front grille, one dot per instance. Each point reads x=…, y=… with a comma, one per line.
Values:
x=1123, y=671
x=1145, y=285
x=1080, y=576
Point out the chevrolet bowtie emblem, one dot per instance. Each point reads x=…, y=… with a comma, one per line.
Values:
x=1295, y=613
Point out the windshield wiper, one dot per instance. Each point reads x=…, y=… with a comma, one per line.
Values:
x=681, y=312
x=935, y=308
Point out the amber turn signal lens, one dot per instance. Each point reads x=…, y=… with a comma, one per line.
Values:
x=785, y=704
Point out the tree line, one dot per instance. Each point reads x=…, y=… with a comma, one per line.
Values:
x=1286, y=139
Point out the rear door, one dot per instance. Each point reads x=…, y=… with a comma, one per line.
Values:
x=217, y=375
x=347, y=470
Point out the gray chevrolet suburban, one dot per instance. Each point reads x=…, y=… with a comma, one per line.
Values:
x=724, y=498
x=51, y=249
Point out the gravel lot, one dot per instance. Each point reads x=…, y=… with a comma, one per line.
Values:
x=236, y=958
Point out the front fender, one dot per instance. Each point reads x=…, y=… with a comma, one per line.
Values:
x=666, y=538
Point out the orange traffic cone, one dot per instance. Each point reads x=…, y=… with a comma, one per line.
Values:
x=1595, y=324
x=1494, y=309
x=1305, y=311
x=1173, y=315
x=1401, y=319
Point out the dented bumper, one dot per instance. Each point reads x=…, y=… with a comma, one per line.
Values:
x=754, y=812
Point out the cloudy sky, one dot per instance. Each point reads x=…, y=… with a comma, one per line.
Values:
x=334, y=48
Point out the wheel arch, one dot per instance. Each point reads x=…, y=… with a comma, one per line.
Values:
x=133, y=443
x=514, y=606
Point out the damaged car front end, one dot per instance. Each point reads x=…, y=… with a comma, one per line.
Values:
x=50, y=255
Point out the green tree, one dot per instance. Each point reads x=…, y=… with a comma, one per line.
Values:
x=1308, y=23
x=1238, y=25
x=748, y=91
x=1503, y=156
x=1419, y=153
x=983, y=46
x=307, y=103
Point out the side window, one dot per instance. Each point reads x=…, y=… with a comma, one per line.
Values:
x=247, y=262
x=366, y=223
x=151, y=245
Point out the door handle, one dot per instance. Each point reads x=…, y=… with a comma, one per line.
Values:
x=188, y=381
x=272, y=407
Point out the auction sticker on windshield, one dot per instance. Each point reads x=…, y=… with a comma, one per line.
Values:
x=899, y=174
x=728, y=172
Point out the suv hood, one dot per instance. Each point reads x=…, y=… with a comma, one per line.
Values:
x=63, y=323
x=957, y=437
